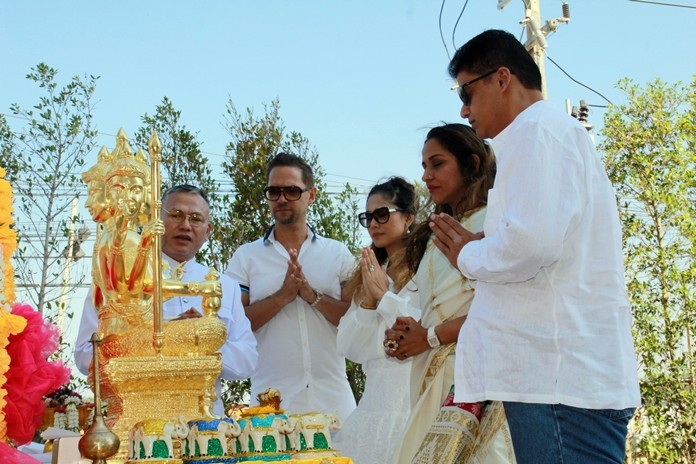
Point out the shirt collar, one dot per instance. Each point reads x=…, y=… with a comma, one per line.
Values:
x=268, y=236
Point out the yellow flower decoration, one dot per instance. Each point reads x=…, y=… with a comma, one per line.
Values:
x=8, y=239
x=10, y=324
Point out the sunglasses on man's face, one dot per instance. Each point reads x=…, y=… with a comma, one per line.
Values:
x=461, y=89
x=292, y=193
x=381, y=215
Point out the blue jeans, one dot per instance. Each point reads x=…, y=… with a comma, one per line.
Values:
x=555, y=433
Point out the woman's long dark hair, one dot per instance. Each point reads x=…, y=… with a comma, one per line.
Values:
x=402, y=194
x=462, y=142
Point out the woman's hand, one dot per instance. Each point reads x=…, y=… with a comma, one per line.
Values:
x=406, y=338
x=374, y=278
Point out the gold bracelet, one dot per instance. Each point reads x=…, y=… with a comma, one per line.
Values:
x=362, y=305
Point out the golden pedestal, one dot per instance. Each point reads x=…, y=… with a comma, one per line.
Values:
x=160, y=387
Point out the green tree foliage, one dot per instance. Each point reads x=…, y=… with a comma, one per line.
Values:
x=650, y=158
x=254, y=141
x=44, y=158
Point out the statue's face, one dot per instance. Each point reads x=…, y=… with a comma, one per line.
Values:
x=127, y=193
x=97, y=203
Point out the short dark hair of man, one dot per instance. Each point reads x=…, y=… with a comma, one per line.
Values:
x=288, y=159
x=186, y=188
x=494, y=49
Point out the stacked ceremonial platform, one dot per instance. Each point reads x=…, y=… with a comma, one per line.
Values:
x=262, y=434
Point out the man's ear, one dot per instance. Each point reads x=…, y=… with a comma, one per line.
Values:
x=504, y=75
x=312, y=195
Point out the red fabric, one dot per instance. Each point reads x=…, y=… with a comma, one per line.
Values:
x=9, y=455
x=476, y=409
x=31, y=376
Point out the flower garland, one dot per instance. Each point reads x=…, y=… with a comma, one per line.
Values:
x=31, y=375
x=65, y=403
x=26, y=341
x=9, y=323
x=8, y=239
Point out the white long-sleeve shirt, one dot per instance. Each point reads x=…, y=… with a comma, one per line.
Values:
x=239, y=356
x=550, y=321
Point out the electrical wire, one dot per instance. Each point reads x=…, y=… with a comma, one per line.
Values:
x=454, y=29
x=442, y=37
x=575, y=80
x=664, y=4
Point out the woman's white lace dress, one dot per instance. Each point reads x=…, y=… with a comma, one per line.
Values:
x=372, y=432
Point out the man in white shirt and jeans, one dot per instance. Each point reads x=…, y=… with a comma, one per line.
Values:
x=291, y=280
x=549, y=330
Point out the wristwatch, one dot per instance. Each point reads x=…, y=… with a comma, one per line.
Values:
x=433, y=341
x=316, y=301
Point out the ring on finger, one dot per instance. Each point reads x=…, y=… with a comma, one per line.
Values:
x=371, y=268
x=391, y=345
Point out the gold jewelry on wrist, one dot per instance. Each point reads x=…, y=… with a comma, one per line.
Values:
x=317, y=299
x=363, y=306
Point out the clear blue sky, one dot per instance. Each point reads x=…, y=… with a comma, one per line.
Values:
x=363, y=80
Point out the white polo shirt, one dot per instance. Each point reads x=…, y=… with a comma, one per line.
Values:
x=297, y=347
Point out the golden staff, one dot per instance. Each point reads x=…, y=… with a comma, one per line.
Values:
x=155, y=148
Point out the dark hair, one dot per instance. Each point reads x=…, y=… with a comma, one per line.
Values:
x=493, y=49
x=186, y=188
x=462, y=142
x=287, y=159
x=402, y=194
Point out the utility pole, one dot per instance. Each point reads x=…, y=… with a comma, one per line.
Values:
x=536, y=34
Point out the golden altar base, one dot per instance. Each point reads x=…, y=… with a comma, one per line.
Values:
x=160, y=386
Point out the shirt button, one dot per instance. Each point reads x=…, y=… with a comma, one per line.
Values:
x=185, y=300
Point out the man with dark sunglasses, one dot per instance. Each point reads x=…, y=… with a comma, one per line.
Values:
x=549, y=329
x=292, y=290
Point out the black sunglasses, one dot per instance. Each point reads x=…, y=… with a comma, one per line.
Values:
x=461, y=89
x=290, y=193
x=381, y=215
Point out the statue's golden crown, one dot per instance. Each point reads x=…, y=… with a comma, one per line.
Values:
x=98, y=172
x=124, y=164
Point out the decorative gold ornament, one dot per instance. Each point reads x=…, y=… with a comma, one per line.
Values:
x=147, y=368
x=98, y=442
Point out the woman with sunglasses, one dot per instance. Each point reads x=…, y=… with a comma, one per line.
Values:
x=458, y=170
x=382, y=291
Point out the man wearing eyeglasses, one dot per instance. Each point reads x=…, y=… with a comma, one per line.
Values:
x=549, y=329
x=185, y=213
x=291, y=281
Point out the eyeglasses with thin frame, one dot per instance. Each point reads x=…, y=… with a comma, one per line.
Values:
x=380, y=215
x=461, y=89
x=178, y=216
x=292, y=193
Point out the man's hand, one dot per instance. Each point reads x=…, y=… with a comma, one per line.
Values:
x=188, y=314
x=304, y=289
x=450, y=237
x=290, y=288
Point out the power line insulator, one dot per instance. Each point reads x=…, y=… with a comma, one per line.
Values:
x=566, y=10
x=584, y=111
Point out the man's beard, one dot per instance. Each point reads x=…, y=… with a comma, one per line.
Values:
x=286, y=220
